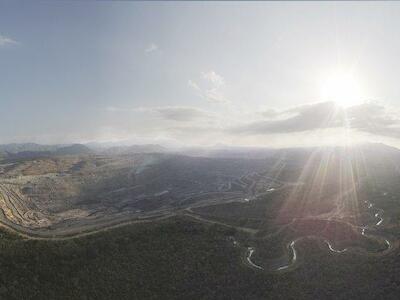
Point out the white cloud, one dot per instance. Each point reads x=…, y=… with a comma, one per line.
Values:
x=214, y=78
x=214, y=95
x=170, y=113
x=113, y=109
x=194, y=85
x=367, y=118
x=151, y=48
x=312, y=124
x=181, y=113
x=4, y=40
x=212, y=87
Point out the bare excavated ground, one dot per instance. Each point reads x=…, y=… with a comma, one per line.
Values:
x=47, y=194
x=67, y=195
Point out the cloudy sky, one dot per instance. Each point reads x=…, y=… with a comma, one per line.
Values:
x=260, y=74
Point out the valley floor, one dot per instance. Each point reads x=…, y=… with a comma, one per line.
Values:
x=181, y=258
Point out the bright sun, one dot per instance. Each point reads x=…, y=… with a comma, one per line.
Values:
x=342, y=88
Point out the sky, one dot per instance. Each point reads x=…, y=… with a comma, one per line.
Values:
x=270, y=74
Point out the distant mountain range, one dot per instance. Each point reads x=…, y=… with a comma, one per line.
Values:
x=149, y=148
x=31, y=147
x=74, y=149
x=29, y=150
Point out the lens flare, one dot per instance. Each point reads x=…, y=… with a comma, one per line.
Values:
x=343, y=88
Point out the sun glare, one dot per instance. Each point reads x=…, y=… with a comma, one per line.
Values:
x=342, y=88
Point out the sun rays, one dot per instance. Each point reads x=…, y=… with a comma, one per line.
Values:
x=328, y=183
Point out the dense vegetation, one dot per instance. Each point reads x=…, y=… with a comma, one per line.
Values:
x=181, y=259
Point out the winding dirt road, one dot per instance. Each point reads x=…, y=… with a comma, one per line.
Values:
x=291, y=257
